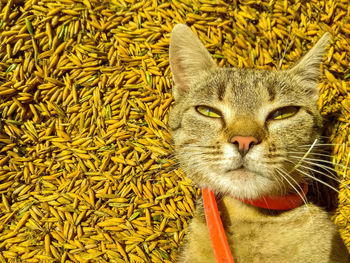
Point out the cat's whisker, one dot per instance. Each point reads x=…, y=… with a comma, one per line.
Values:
x=322, y=144
x=193, y=149
x=324, y=136
x=326, y=184
x=318, y=150
x=334, y=177
x=280, y=182
x=203, y=157
x=316, y=162
x=306, y=154
x=313, y=153
x=285, y=176
x=304, y=198
x=195, y=145
x=330, y=170
x=196, y=168
x=327, y=175
x=288, y=176
x=320, y=181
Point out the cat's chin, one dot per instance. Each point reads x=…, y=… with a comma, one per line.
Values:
x=242, y=183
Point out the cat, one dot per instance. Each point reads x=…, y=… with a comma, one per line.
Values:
x=234, y=132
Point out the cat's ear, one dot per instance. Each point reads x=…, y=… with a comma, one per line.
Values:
x=189, y=59
x=307, y=69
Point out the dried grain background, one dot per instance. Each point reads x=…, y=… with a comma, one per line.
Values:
x=86, y=171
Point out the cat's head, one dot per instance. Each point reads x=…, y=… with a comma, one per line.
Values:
x=241, y=131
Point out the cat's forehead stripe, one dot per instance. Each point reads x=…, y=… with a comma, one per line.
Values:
x=221, y=91
x=271, y=90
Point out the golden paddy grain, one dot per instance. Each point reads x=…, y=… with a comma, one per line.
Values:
x=86, y=171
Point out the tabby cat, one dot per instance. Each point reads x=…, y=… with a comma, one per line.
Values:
x=242, y=133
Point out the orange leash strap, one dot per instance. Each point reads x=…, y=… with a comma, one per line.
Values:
x=221, y=249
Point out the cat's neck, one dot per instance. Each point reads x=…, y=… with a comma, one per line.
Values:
x=264, y=206
x=232, y=209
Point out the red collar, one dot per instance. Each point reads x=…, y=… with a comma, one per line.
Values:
x=216, y=230
x=287, y=202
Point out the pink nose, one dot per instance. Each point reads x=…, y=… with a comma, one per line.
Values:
x=244, y=143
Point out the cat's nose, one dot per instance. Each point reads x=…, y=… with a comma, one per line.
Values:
x=244, y=143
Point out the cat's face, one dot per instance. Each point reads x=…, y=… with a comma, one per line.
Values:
x=241, y=131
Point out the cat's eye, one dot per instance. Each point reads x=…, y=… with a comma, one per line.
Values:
x=208, y=111
x=283, y=113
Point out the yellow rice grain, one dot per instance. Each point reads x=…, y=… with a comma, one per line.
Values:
x=85, y=92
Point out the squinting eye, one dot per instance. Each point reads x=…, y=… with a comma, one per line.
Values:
x=283, y=113
x=208, y=111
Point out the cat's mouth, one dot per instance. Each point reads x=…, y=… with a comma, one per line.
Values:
x=241, y=168
x=236, y=169
x=242, y=173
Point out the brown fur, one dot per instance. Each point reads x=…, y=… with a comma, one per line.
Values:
x=305, y=234
x=245, y=99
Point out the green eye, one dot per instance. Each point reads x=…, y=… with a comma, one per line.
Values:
x=283, y=113
x=208, y=111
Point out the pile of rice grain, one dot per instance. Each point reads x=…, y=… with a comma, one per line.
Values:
x=86, y=166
